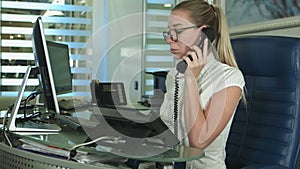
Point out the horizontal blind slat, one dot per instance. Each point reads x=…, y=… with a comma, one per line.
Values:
x=61, y=32
x=28, y=43
x=76, y=70
x=17, y=56
x=159, y=59
x=160, y=1
x=45, y=6
x=29, y=56
x=17, y=82
x=52, y=19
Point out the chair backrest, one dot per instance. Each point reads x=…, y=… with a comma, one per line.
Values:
x=267, y=129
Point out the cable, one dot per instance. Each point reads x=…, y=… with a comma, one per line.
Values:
x=175, y=118
x=73, y=149
x=28, y=98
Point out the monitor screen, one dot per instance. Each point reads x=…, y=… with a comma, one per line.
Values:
x=42, y=61
x=61, y=71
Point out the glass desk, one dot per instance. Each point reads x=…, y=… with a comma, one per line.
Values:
x=106, y=150
x=130, y=151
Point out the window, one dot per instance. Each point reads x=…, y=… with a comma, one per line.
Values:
x=66, y=21
x=70, y=22
x=157, y=55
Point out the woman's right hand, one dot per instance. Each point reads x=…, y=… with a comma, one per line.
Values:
x=198, y=58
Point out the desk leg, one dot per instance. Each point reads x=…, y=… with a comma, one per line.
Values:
x=179, y=165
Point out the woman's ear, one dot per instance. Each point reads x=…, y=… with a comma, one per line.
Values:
x=203, y=26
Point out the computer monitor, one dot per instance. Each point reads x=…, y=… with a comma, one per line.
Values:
x=62, y=76
x=42, y=61
x=46, y=80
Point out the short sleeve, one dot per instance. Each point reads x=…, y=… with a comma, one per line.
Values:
x=231, y=77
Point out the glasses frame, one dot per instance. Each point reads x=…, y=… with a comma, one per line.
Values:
x=167, y=34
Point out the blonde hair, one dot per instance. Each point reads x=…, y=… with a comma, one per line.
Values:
x=202, y=13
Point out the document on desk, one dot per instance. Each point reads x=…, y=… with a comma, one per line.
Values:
x=82, y=157
x=41, y=148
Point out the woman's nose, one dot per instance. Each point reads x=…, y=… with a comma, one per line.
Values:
x=169, y=40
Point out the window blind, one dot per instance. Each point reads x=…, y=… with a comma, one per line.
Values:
x=65, y=21
x=157, y=55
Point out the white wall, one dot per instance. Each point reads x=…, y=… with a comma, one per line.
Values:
x=117, y=43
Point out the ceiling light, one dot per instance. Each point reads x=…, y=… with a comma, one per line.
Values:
x=167, y=5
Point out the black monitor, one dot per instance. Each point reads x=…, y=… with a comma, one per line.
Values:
x=46, y=80
x=42, y=61
x=62, y=76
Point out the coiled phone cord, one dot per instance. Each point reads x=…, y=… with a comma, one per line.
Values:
x=175, y=117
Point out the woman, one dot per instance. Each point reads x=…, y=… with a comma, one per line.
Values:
x=200, y=103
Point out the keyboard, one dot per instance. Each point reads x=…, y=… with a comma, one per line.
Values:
x=71, y=104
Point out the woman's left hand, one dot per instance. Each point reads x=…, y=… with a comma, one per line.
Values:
x=199, y=58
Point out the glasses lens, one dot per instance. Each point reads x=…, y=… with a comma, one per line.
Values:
x=173, y=35
x=165, y=35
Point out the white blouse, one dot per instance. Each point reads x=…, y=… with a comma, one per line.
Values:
x=215, y=76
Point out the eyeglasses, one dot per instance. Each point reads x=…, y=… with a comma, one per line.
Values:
x=173, y=33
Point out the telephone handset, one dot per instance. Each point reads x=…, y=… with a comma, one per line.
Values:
x=181, y=67
x=210, y=34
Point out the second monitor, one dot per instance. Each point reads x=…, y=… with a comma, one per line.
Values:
x=60, y=65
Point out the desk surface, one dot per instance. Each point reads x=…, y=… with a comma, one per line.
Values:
x=68, y=138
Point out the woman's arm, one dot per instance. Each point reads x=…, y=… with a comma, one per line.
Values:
x=205, y=126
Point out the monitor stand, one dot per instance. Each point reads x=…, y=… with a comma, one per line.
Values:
x=28, y=127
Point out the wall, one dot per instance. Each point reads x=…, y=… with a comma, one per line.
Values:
x=290, y=32
x=280, y=27
x=117, y=43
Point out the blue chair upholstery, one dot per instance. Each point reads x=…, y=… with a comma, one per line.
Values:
x=265, y=132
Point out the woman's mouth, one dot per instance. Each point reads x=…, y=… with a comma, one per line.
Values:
x=173, y=51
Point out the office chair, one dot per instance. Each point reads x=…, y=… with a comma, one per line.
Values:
x=265, y=132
